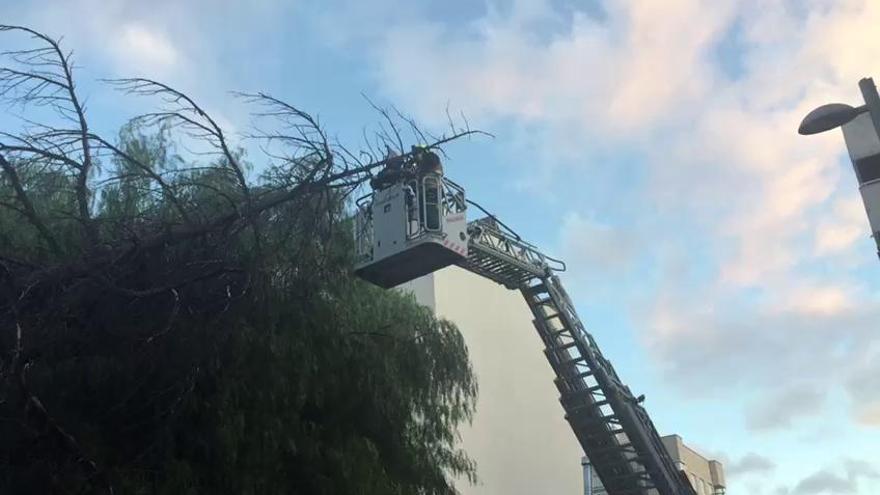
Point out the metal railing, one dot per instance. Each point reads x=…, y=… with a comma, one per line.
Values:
x=450, y=199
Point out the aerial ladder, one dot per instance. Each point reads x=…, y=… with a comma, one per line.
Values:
x=415, y=222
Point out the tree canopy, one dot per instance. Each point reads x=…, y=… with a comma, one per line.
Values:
x=188, y=322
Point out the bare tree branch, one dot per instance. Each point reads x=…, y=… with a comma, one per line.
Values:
x=148, y=87
x=35, y=83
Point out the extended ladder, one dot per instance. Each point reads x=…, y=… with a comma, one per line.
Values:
x=612, y=427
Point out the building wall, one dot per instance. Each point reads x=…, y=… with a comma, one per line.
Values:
x=707, y=476
x=519, y=437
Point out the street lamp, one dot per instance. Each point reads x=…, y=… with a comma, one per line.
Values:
x=829, y=117
x=861, y=132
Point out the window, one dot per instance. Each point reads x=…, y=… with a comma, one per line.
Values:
x=868, y=168
x=431, y=203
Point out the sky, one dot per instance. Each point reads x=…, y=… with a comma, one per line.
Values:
x=723, y=262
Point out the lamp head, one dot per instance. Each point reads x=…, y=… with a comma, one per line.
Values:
x=828, y=117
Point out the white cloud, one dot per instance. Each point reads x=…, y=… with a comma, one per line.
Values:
x=863, y=384
x=642, y=65
x=819, y=300
x=824, y=482
x=776, y=215
x=868, y=412
x=842, y=228
x=781, y=361
x=121, y=38
x=182, y=41
x=597, y=252
x=828, y=481
x=183, y=44
x=662, y=61
x=649, y=73
x=780, y=409
x=749, y=464
x=144, y=50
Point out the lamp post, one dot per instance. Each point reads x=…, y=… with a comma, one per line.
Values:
x=588, y=475
x=861, y=132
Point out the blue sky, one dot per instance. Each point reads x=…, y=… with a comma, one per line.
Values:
x=722, y=261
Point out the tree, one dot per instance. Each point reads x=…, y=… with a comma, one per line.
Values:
x=171, y=324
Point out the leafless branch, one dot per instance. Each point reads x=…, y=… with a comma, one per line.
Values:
x=387, y=117
x=53, y=86
x=188, y=112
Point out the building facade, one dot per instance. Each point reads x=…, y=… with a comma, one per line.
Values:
x=705, y=475
x=519, y=437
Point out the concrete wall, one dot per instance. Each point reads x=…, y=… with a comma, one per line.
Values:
x=519, y=437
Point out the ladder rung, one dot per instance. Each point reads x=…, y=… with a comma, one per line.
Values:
x=594, y=420
x=578, y=380
x=504, y=268
x=588, y=405
x=550, y=317
x=557, y=333
x=584, y=374
x=535, y=290
x=575, y=387
x=592, y=427
x=563, y=346
x=571, y=361
x=634, y=490
x=634, y=474
x=577, y=394
x=586, y=391
x=607, y=450
x=604, y=434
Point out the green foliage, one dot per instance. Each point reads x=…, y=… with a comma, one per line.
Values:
x=247, y=360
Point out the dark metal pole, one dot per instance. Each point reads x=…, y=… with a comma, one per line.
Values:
x=872, y=101
x=588, y=476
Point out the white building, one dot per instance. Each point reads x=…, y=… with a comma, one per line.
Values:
x=705, y=475
x=519, y=437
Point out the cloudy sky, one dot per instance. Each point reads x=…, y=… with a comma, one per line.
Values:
x=722, y=261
